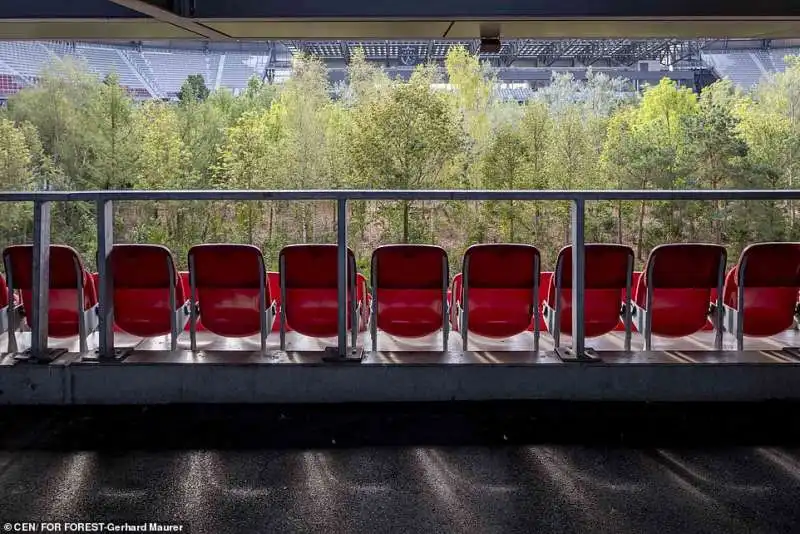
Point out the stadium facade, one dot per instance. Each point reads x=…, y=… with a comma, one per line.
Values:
x=157, y=69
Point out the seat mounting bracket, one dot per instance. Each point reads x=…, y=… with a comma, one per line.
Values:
x=48, y=356
x=566, y=354
x=354, y=355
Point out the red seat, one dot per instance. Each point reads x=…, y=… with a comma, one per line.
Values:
x=770, y=276
x=68, y=314
x=149, y=299
x=409, y=291
x=362, y=294
x=309, y=294
x=4, y=300
x=681, y=277
x=608, y=272
x=231, y=290
x=498, y=299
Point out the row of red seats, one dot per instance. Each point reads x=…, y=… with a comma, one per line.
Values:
x=497, y=295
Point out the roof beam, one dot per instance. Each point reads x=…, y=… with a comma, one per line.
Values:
x=169, y=17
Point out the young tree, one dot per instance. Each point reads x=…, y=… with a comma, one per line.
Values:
x=16, y=164
x=116, y=150
x=405, y=141
x=193, y=89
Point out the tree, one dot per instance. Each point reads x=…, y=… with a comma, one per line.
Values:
x=193, y=89
x=16, y=165
x=506, y=166
x=115, y=148
x=715, y=152
x=405, y=141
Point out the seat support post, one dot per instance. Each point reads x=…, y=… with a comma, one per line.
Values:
x=13, y=318
x=105, y=242
x=740, y=305
x=373, y=312
x=464, y=315
x=262, y=305
x=282, y=274
x=536, y=303
x=628, y=311
x=648, y=312
x=719, y=309
x=192, y=305
x=173, y=306
x=41, y=278
x=445, y=310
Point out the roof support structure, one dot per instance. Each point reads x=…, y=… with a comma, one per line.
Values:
x=172, y=18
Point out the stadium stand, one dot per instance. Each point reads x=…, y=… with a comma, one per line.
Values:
x=744, y=68
x=158, y=69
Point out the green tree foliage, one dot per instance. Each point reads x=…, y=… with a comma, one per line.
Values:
x=405, y=141
x=73, y=131
x=193, y=89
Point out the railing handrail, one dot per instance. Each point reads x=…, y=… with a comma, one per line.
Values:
x=405, y=194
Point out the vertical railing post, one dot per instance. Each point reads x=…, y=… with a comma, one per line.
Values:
x=342, y=285
x=105, y=241
x=578, y=282
x=40, y=277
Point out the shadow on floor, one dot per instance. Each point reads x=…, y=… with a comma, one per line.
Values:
x=359, y=425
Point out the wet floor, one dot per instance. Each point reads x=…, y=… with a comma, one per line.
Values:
x=424, y=468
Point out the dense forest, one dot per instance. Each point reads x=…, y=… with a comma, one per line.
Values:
x=76, y=132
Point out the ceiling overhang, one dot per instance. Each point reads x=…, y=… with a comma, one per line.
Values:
x=389, y=19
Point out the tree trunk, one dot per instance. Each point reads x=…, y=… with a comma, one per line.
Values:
x=250, y=222
x=640, y=237
x=791, y=207
x=511, y=221
x=619, y=221
x=405, y=221
x=269, y=225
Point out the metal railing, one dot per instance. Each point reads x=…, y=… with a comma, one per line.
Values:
x=104, y=201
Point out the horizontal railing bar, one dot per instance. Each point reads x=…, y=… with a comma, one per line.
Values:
x=361, y=194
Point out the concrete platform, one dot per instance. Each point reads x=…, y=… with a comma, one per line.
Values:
x=234, y=371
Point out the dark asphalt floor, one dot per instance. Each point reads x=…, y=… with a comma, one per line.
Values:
x=423, y=468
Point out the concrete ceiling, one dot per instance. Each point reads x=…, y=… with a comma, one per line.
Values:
x=390, y=19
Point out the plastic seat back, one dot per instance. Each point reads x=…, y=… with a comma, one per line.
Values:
x=228, y=279
x=67, y=278
x=499, y=292
x=4, y=297
x=310, y=302
x=608, y=269
x=771, y=283
x=142, y=276
x=410, y=284
x=681, y=277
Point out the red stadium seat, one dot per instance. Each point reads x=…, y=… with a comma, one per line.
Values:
x=149, y=299
x=496, y=294
x=229, y=287
x=673, y=294
x=608, y=272
x=409, y=291
x=72, y=309
x=760, y=293
x=309, y=294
